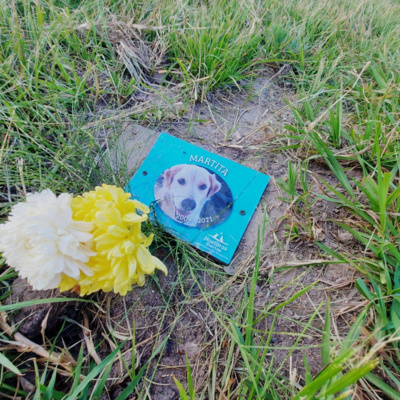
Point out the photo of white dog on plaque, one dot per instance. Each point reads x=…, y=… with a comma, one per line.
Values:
x=193, y=196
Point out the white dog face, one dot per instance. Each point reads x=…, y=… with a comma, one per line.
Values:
x=190, y=186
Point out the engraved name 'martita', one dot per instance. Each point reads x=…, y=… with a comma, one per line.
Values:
x=209, y=162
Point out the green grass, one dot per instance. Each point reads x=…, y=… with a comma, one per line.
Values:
x=215, y=46
x=65, y=94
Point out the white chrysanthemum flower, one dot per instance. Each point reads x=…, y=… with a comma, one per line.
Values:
x=42, y=241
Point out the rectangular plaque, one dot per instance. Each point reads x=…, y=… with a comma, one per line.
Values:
x=198, y=196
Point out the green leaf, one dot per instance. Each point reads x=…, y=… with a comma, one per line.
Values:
x=332, y=162
x=22, y=304
x=383, y=194
x=48, y=393
x=326, y=336
x=94, y=372
x=393, y=196
x=388, y=390
x=332, y=253
x=362, y=288
x=55, y=394
x=378, y=76
x=350, y=377
x=294, y=297
x=182, y=392
x=308, y=375
x=354, y=331
x=9, y=365
x=77, y=371
x=129, y=389
x=99, y=388
x=189, y=379
x=331, y=370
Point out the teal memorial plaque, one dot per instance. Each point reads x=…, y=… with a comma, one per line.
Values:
x=199, y=197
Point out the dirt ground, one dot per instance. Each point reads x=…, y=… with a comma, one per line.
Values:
x=244, y=126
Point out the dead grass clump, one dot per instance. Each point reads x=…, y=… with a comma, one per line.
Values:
x=140, y=56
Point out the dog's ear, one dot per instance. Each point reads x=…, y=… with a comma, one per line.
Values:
x=170, y=173
x=215, y=186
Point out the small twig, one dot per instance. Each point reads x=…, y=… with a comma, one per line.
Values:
x=23, y=344
x=7, y=396
x=349, y=309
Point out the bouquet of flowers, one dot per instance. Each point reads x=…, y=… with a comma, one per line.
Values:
x=86, y=243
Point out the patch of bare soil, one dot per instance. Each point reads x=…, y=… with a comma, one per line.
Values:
x=182, y=311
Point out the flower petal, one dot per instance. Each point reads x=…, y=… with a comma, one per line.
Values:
x=159, y=265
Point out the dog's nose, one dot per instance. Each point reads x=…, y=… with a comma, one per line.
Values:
x=188, y=204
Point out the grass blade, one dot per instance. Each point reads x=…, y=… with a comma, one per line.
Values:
x=326, y=336
x=388, y=390
x=9, y=365
x=93, y=373
x=350, y=377
x=182, y=392
x=23, y=304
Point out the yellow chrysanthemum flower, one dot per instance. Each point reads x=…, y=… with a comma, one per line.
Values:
x=122, y=256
